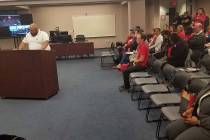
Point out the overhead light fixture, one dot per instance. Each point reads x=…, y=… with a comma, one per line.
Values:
x=124, y=2
x=23, y=7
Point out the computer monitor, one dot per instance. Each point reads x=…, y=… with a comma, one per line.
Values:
x=64, y=33
x=60, y=37
x=19, y=30
x=80, y=38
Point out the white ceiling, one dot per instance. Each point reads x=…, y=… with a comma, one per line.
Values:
x=52, y=2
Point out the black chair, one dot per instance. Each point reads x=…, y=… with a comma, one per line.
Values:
x=171, y=113
x=138, y=82
x=80, y=38
x=205, y=62
x=159, y=99
x=110, y=53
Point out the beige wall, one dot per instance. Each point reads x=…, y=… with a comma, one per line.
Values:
x=203, y=4
x=50, y=17
x=152, y=15
x=137, y=11
x=6, y=43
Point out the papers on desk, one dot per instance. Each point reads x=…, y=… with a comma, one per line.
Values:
x=207, y=45
x=130, y=53
x=189, y=69
x=192, y=69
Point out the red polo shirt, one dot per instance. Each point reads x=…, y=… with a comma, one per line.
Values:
x=143, y=49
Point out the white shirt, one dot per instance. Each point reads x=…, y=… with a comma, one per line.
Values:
x=35, y=42
x=158, y=43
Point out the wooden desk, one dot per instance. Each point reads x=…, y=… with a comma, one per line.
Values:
x=28, y=74
x=72, y=49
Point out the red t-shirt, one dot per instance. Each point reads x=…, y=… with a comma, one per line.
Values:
x=143, y=49
x=182, y=35
x=129, y=42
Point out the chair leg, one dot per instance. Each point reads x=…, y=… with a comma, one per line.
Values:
x=140, y=101
x=133, y=92
x=148, y=112
x=159, y=128
x=101, y=61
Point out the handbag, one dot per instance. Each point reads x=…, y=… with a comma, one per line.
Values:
x=10, y=137
x=187, y=101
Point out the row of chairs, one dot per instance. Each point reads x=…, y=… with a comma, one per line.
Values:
x=161, y=85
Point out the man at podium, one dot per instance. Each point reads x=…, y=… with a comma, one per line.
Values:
x=35, y=39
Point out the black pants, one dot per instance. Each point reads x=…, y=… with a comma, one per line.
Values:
x=179, y=130
x=127, y=72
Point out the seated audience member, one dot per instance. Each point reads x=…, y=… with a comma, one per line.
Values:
x=35, y=39
x=125, y=57
x=200, y=17
x=195, y=121
x=139, y=29
x=172, y=29
x=197, y=42
x=166, y=43
x=156, y=47
x=129, y=40
x=149, y=38
x=181, y=32
x=186, y=20
x=178, y=51
x=152, y=39
x=140, y=62
x=176, y=20
x=188, y=33
x=129, y=45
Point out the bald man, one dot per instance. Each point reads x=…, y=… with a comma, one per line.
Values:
x=35, y=39
x=197, y=42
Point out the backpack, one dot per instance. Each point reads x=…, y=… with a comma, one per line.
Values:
x=10, y=137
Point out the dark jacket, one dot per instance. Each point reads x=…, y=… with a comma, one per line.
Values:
x=204, y=113
x=197, y=42
x=178, y=54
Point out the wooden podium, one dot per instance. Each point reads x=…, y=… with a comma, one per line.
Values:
x=28, y=74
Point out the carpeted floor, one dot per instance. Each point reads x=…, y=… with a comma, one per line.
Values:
x=87, y=107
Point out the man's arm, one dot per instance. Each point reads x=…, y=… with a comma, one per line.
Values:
x=46, y=41
x=141, y=59
x=22, y=45
x=45, y=45
x=157, y=44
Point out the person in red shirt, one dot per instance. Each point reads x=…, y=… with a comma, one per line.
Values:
x=129, y=40
x=181, y=32
x=140, y=62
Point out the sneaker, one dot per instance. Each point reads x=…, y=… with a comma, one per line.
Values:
x=122, y=88
x=114, y=67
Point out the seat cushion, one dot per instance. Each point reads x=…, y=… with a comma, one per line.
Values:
x=106, y=54
x=144, y=81
x=140, y=75
x=171, y=112
x=165, y=99
x=158, y=88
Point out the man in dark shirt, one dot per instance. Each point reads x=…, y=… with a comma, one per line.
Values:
x=177, y=52
x=197, y=42
x=186, y=20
